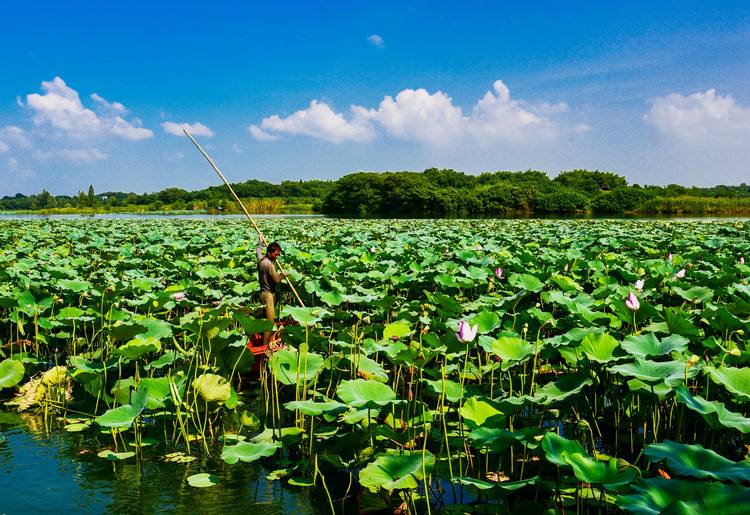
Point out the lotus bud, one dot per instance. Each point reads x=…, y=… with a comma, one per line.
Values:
x=681, y=273
x=735, y=352
x=639, y=285
x=742, y=260
x=565, y=267
x=693, y=361
x=499, y=273
x=466, y=333
x=372, y=249
x=632, y=302
x=669, y=257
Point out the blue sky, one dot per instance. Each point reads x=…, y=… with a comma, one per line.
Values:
x=301, y=90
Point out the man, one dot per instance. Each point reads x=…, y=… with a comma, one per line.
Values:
x=268, y=279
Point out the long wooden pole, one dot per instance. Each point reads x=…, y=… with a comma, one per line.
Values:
x=262, y=238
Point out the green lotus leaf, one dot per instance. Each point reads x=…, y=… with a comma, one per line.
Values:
x=291, y=367
x=511, y=350
x=526, y=281
x=658, y=495
x=360, y=393
x=679, y=323
x=599, y=347
x=254, y=325
x=486, y=321
x=248, y=451
x=612, y=474
x=714, y=412
x=368, y=368
x=203, y=480
x=695, y=294
x=736, y=380
x=137, y=347
x=559, y=390
x=453, y=390
x=652, y=372
x=396, y=330
x=644, y=345
x=76, y=286
x=305, y=316
x=212, y=387
x=162, y=361
x=506, y=486
x=121, y=417
x=480, y=412
x=11, y=373
x=115, y=456
x=317, y=408
x=696, y=461
x=396, y=472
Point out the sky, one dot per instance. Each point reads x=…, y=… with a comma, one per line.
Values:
x=97, y=93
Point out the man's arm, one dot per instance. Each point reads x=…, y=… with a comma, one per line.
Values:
x=259, y=249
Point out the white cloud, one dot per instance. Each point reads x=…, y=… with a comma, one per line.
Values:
x=260, y=134
x=582, y=128
x=196, y=129
x=376, y=40
x=116, y=107
x=132, y=131
x=12, y=135
x=81, y=155
x=317, y=121
x=418, y=115
x=4, y=147
x=497, y=117
x=61, y=108
x=700, y=118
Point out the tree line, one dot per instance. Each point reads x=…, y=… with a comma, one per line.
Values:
x=431, y=193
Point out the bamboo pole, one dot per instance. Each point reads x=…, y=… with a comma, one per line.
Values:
x=242, y=206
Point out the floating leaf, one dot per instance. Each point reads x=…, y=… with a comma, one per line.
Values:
x=203, y=480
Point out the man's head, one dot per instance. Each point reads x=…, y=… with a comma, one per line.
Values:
x=273, y=251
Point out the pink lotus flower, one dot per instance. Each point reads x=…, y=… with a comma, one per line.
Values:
x=499, y=273
x=466, y=333
x=632, y=302
x=680, y=274
x=669, y=257
x=179, y=296
x=639, y=285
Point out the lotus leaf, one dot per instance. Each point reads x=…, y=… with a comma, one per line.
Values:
x=696, y=461
x=736, y=380
x=644, y=345
x=612, y=474
x=713, y=412
x=212, y=387
x=11, y=373
x=396, y=472
x=360, y=393
x=599, y=347
x=658, y=495
x=203, y=480
x=248, y=451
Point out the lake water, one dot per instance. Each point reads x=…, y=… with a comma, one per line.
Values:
x=53, y=471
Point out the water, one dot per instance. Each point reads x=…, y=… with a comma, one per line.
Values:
x=59, y=472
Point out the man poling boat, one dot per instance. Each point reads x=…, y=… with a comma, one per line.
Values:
x=268, y=278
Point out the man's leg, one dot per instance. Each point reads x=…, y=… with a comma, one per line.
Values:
x=268, y=301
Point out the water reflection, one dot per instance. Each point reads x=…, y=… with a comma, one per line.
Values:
x=52, y=470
